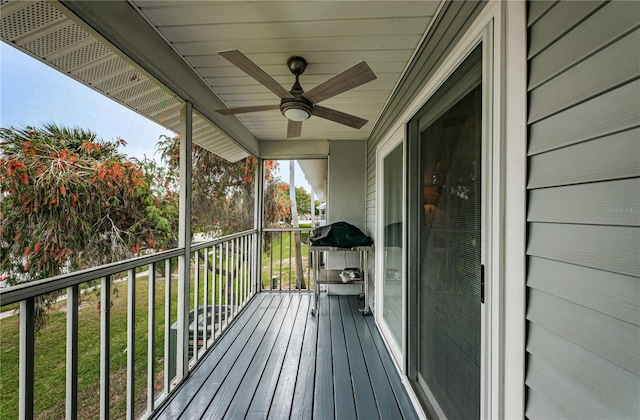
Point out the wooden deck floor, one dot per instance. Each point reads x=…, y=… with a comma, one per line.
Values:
x=278, y=362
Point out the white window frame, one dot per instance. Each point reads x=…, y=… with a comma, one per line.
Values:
x=382, y=151
x=501, y=27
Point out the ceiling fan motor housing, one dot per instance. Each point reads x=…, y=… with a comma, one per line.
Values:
x=297, y=65
x=297, y=108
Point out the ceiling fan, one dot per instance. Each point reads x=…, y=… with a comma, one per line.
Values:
x=297, y=105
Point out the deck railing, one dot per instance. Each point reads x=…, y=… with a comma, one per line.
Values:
x=223, y=278
x=279, y=256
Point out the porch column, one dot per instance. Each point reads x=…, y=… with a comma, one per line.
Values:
x=259, y=222
x=184, y=241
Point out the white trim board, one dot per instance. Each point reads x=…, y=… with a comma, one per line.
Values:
x=382, y=150
x=514, y=128
x=501, y=26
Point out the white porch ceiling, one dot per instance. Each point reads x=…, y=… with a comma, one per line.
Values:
x=331, y=35
x=177, y=42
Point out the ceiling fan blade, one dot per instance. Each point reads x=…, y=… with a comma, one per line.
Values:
x=294, y=129
x=243, y=63
x=341, y=82
x=246, y=109
x=339, y=117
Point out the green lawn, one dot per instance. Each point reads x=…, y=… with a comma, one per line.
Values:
x=50, y=356
x=279, y=260
x=50, y=365
x=50, y=349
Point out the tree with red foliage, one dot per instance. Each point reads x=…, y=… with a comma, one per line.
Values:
x=223, y=192
x=71, y=200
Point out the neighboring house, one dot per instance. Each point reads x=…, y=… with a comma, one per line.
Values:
x=499, y=178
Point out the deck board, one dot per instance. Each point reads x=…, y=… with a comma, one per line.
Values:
x=261, y=400
x=250, y=356
x=281, y=404
x=185, y=394
x=342, y=389
x=236, y=353
x=365, y=403
x=399, y=392
x=278, y=361
x=302, y=407
x=385, y=399
x=323, y=404
x=241, y=402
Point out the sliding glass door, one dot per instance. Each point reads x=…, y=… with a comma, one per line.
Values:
x=447, y=341
x=390, y=266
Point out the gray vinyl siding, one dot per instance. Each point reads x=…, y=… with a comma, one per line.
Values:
x=449, y=26
x=583, y=242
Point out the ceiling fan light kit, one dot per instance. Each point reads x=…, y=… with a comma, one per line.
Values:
x=296, y=105
x=296, y=112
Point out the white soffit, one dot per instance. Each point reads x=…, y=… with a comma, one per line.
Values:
x=43, y=31
x=331, y=35
x=207, y=135
x=315, y=171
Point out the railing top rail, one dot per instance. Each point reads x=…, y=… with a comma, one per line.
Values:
x=201, y=245
x=288, y=229
x=31, y=289
x=41, y=287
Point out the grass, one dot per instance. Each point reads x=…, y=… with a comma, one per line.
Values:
x=50, y=347
x=50, y=357
x=281, y=253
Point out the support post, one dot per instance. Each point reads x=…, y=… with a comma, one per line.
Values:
x=151, y=339
x=71, y=412
x=196, y=300
x=131, y=345
x=313, y=209
x=27, y=352
x=259, y=223
x=184, y=241
x=105, y=346
x=168, y=356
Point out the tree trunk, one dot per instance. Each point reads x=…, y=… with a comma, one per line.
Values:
x=300, y=284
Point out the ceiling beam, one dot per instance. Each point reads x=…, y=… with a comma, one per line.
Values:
x=292, y=149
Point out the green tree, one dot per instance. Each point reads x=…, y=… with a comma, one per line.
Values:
x=223, y=192
x=71, y=200
x=277, y=206
x=303, y=200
